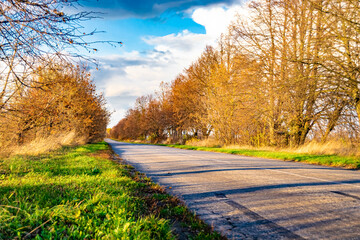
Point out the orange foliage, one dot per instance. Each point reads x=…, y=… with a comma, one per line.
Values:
x=61, y=99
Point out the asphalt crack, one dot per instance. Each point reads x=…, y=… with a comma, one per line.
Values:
x=346, y=195
x=277, y=229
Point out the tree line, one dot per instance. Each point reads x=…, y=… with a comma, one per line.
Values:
x=285, y=73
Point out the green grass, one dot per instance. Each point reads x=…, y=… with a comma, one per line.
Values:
x=327, y=160
x=78, y=193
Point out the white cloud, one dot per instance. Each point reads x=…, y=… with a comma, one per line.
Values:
x=180, y=43
x=216, y=19
x=137, y=74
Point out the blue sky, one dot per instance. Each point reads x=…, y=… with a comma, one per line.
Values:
x=160, y=38
x=131, y=30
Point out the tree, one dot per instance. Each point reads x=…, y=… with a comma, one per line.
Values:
x=287, y=38
x=36, y=31
x=343, y=47
x=261, y=37
x=66, y=102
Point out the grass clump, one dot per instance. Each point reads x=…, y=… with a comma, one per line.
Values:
x=78, y=193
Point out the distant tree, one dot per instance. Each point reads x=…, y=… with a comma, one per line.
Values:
x=187, y=107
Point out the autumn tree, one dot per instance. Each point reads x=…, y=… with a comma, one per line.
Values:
x=67, y=101
x=187, y=107
x=285, y=36
x=341, y=58
x=37, y=31
x=257, y=38
x=286, y=72
x=148, y=120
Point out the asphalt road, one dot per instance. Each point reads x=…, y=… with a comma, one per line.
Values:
x=254, y=198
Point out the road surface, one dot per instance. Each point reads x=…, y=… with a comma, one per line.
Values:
x=255, y=198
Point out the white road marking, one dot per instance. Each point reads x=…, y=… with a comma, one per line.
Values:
x=314, y=178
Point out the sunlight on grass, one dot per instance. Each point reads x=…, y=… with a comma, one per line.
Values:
x=69, y=194
x=78, y=193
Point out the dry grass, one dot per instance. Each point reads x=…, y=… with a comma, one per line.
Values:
x=42, y=145
x=340, y=148
x=333, y=147
x=241, y=147
x=209, y=142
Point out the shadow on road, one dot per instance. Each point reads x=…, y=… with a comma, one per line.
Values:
x=267, y=187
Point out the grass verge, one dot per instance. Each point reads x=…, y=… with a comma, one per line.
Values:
x=82, y=193
x=319, y=159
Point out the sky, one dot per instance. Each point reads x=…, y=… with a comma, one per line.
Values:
x=160, y=39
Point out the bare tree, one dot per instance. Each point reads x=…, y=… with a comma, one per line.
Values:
x=34, y=32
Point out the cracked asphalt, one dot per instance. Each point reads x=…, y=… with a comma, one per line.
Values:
x=255, y=198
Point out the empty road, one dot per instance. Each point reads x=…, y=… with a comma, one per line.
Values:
x=254, y=198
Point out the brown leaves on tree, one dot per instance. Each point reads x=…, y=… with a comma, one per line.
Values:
x=286, y=72
x=62, y=99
